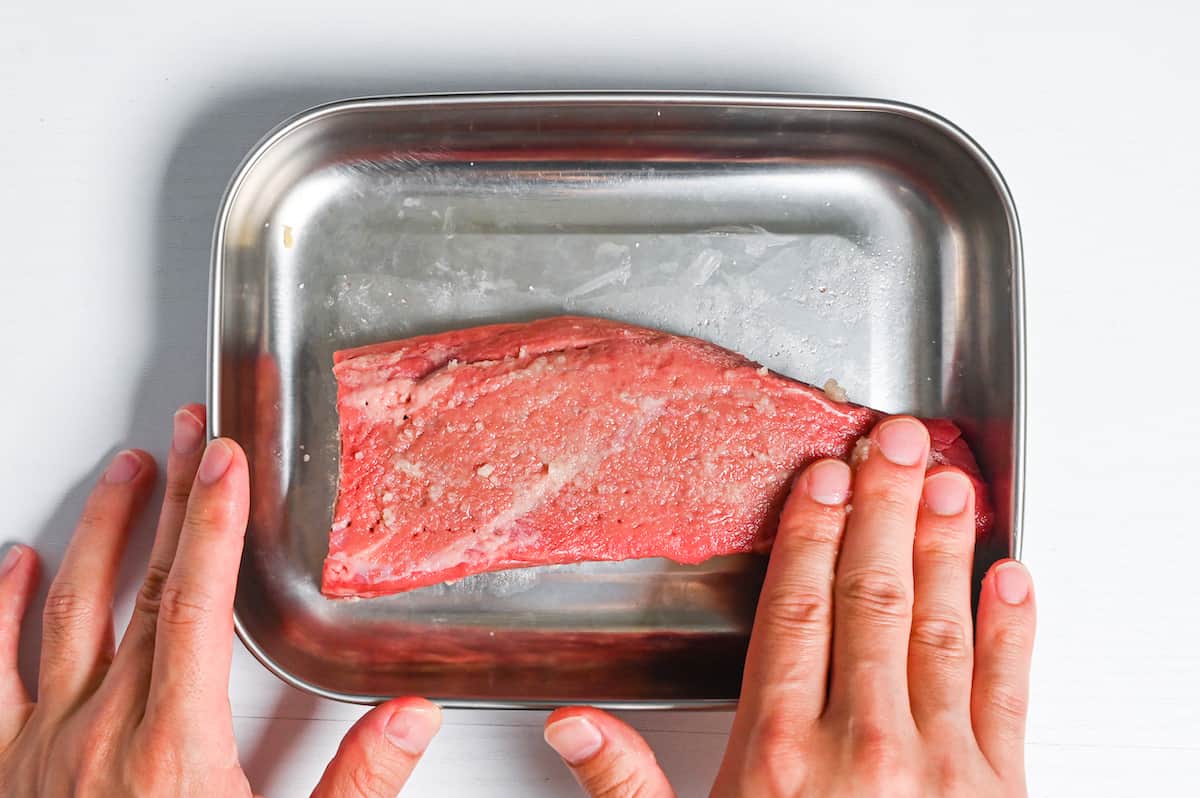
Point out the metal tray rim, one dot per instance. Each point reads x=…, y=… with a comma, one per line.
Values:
x=717, y=98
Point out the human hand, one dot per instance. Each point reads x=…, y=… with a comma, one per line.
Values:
x=153, y=717
x=862, y=677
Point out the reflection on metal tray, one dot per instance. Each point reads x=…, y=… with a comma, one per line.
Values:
x=862, y=240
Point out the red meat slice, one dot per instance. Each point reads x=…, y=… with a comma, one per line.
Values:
x=570, y=439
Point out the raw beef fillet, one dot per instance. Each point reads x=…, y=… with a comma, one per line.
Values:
x=569, y=439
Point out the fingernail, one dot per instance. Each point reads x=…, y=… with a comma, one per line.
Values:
x=1012, y=583
x=829, y=482
x=11, y=558
x=575, y=739
x=188, y=432
x=902, y=440
x=412, y=728
x=215, y=462
x=124, y=467
x=946, y=493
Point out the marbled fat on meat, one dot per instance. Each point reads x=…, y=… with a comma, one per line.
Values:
x=569, y=439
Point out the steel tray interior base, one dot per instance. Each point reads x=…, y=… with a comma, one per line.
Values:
x=862, y=240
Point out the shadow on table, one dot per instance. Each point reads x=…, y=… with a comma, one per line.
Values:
x=261, y=758
x=220, y=131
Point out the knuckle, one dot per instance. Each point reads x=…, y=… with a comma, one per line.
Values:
x=801, y=614
x=96, y=513
x=945, y=544
x=815, y=524
x=776, y=733
x=1006, y=703
x=178, y=491
x=183, y=607
x=207, y=520
x=149, y=596
x=68, y=608
x=627, y=784
x=204, y=520
x=872, y=739
x=1010, y=640
x=944, y=636
x=947, y=773
x=893, y=494
x=878, y=756
x=893, y=508
x=877, y=595
x=365, y=782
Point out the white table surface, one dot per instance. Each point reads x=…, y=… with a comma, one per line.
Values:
x=119, y=127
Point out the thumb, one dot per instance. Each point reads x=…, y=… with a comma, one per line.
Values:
x=379, y=752
x=608, y=757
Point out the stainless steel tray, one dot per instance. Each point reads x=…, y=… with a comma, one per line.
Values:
x=863, y=240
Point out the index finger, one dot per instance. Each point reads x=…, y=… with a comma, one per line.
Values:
x=788, y=660
x=194, y=636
